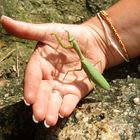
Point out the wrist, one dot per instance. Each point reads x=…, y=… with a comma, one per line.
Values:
x=127, y=23
x=112, y=56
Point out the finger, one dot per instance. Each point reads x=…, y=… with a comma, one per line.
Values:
x=32, y=79
x=38, y=32
x=69, y=103
x=23, y=29
x=40, y=106
x=54, y=104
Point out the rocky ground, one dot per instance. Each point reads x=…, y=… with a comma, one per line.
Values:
x=112, y=115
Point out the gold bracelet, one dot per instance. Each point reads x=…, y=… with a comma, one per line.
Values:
x=102, y=15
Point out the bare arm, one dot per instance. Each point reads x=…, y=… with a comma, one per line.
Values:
x=125, y=16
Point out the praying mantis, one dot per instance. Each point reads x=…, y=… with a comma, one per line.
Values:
x=93, y=74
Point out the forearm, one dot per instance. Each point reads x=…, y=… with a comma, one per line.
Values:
x=125, y=16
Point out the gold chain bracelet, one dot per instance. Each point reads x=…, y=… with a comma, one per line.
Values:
x=103, y=15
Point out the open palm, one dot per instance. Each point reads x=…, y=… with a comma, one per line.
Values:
x=45, y=88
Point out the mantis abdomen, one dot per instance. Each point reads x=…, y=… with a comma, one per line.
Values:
x=94, y=75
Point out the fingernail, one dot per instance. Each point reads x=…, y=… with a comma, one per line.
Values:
x=61, y=116
x=34, y=119
x=27, y=104
x=46, y=125
x=2, y=17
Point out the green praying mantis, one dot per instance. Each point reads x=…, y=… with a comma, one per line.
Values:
x=93, y=74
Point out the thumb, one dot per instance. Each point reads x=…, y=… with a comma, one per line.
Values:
x=23, y=29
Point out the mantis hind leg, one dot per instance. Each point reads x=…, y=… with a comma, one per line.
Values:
x=92, y=83
x=100, y=63
x=71, y=71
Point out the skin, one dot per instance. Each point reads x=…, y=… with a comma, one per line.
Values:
x=44, y=89
x=93, y=74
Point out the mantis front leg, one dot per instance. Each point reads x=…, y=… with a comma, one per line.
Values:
x=60, y=42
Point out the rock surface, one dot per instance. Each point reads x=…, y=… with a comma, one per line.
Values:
x=113, y=115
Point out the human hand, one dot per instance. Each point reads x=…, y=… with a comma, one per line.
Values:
x=45, y=88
